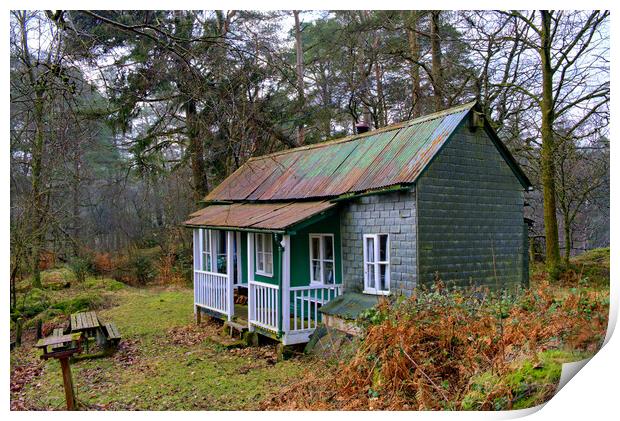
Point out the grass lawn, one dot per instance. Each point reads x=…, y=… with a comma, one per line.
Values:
x=165, y=362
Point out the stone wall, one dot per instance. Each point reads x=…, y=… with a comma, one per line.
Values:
x=391, y=213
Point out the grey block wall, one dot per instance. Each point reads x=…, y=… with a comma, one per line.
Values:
x=391, y=213
x=470, y=214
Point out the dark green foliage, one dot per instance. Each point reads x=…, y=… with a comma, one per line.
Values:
x=141, y=268
x=183, y=265
x=81, y=268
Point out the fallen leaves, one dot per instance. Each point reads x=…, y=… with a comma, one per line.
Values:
x=20, y=376
x=192, y=334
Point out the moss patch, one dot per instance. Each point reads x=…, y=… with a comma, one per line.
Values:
x=529, y=383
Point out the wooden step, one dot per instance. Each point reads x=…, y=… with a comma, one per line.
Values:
x=239, y=327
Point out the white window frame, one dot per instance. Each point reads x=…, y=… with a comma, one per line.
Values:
x=205, y=234
x=216, y=253
x=264, y=239
x=375, y=265
x=321, y=258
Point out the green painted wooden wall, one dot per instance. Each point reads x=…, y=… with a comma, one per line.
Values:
x=300, y=249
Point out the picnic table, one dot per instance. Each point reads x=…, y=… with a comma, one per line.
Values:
x=59, y=343
x=85, y=322
x=88, y=323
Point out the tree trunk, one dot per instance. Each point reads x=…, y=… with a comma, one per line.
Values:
x=436, y=61
x=300, y=80
x=414, y=50
x=76, y=198
x=38, y=219
x=568, y=246
x=547, y=153
x=196, y=150
x=381, y=113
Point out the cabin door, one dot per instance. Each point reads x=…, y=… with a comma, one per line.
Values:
x=237, y=253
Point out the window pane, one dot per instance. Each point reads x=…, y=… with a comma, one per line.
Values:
x=259, y=261
x=316, y=271
x=220, y=250
x=221, y=263
x=383, y=248
x=328, y=272
x=383, y=277
x=328, y=248
x=370, y=270
x=259, y=243
x=221, y=242
x=315, y=248
x=268, y=263
x=268, y=245
x=370, y=249
x=205, y=241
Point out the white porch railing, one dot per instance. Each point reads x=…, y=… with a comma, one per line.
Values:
x=264, y=305
x=211, y=291
x=303, y=316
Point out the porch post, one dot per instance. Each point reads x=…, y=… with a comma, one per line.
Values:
x=229, y=274
x=286, y=284
x=195, y=266
x=251, y=299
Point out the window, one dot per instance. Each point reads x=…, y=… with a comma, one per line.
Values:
x=264, y=254
x=219, y=245
x=205, y=250
x=213, y=250
x=322, y=258
x=376, y=263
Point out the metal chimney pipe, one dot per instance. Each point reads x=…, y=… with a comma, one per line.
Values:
x=361, y=128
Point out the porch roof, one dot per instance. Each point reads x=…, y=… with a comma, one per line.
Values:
x=257, y=216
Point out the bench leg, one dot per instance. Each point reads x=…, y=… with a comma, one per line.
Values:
x=68, y=383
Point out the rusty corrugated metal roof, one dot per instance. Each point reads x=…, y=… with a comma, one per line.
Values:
x=260, y=216
x=393, y=155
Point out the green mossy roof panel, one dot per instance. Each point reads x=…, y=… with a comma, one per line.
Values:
x=391, y=155
x=350, y=305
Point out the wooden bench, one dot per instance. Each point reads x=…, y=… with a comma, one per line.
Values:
x=112, y=334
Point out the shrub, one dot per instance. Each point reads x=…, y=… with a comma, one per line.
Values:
x=138, y=267
x=142, y=268
x=81, y=268
x=103, y=263
x=47, y=260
